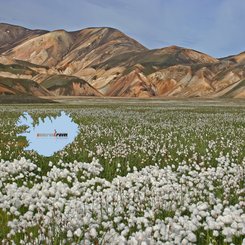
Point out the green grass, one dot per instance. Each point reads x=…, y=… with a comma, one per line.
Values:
x=178, y=127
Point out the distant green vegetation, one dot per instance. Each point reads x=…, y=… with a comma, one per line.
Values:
x=56, y=81
x=17, y=69
x=12, y=82
x=29, y=64
x=22, y=99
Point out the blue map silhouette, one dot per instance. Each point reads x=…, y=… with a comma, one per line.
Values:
x=41, y=136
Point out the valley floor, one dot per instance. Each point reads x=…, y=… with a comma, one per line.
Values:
x=76, y=100
x=140, y=171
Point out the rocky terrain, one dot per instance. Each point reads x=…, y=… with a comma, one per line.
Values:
x=106, y=62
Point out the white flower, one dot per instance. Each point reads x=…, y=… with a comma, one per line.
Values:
x=191, y=237
x=202, y=207
x=93, y=232
x=69, y=234
x=78, y=232
x=227, y=219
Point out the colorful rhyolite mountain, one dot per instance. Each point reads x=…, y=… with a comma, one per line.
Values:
x=106, y=62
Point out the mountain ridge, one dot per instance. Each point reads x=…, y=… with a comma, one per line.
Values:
x=103, y=61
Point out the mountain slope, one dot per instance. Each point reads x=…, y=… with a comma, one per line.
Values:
x=239, y=58
x=74, y=50
x=68, y=86
x=150, y=62
x=93, y=46
x=12, y=35
x=106, y=62
x=13, y=86
x=47, y=49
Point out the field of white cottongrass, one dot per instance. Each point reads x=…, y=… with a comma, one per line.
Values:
x=136, y=174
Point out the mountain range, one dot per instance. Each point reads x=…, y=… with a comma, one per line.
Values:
x=106, y=62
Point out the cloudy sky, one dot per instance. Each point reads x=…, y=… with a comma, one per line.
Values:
x=215, y=27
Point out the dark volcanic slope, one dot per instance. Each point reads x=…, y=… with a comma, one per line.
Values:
x=13, y=86
x=69, y=86
x=11, y=36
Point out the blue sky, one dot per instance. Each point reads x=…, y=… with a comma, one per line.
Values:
x=215, y=27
